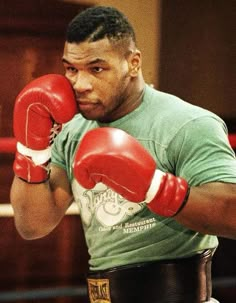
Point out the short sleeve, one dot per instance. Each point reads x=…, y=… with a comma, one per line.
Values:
x=201, y=152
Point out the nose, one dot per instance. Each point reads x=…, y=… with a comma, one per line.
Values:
x=82, y=83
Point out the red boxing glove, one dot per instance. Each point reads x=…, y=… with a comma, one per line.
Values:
x=40, y=109
x=118, y=160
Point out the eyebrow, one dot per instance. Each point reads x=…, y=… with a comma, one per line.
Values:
x=95, y=61
x=65, y=61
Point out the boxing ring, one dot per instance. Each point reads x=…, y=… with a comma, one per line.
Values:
x=8, y=146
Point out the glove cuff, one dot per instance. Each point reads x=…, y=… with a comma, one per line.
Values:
x=25, y=168
x=157, y=180
x=37, y=156
x=171, y=195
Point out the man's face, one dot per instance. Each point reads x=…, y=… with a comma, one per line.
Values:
x=99, y=74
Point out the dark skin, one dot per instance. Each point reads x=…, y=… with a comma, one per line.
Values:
x=108, y=84
x=105, y=79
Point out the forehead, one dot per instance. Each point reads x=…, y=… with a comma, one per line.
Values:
x=86, y=52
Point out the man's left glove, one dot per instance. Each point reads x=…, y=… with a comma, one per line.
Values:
x=113, y=157
x=40, y=109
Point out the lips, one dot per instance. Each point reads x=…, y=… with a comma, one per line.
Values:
x=84, y=101
x=86, y=104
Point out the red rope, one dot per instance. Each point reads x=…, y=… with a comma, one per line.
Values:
x=7, y=145
x=232, y=140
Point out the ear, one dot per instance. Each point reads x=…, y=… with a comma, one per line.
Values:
x=135, y=62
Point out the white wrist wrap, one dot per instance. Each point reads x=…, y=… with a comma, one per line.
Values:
x=155, y=185
x=37, y=156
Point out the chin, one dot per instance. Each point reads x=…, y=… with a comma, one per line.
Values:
x=91, y=116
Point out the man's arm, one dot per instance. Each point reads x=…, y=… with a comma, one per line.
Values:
x=38, y=208
x=211, y=209
x=115, y=158
x=40, y=195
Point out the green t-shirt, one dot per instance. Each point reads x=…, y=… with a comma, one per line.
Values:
x=184, y=140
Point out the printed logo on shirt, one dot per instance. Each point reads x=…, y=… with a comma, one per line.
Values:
x=109, y=207
x=99, y=290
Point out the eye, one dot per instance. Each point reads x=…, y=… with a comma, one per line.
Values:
x=71, y=69
x=97, y=69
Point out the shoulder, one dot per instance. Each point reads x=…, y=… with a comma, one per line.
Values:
x=169, y=105
x=170, y=115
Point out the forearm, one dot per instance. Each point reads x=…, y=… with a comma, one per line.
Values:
x=36, y=212
x=211, y=209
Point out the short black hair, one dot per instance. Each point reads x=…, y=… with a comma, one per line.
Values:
x=99, y=22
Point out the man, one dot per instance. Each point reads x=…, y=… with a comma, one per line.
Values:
x=154, y=176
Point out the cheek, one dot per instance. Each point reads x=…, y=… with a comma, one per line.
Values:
x=70, y=78
x=116, y=82
x=112, y=88
x=107, y=88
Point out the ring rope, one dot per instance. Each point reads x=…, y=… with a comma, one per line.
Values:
x=6, y=210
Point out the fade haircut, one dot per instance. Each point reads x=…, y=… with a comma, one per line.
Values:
x=100, y=22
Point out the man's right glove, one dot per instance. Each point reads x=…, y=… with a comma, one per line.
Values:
x=40, y=109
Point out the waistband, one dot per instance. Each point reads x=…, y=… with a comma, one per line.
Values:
x=185, y=280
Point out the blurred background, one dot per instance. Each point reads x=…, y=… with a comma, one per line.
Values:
x=188, y=49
